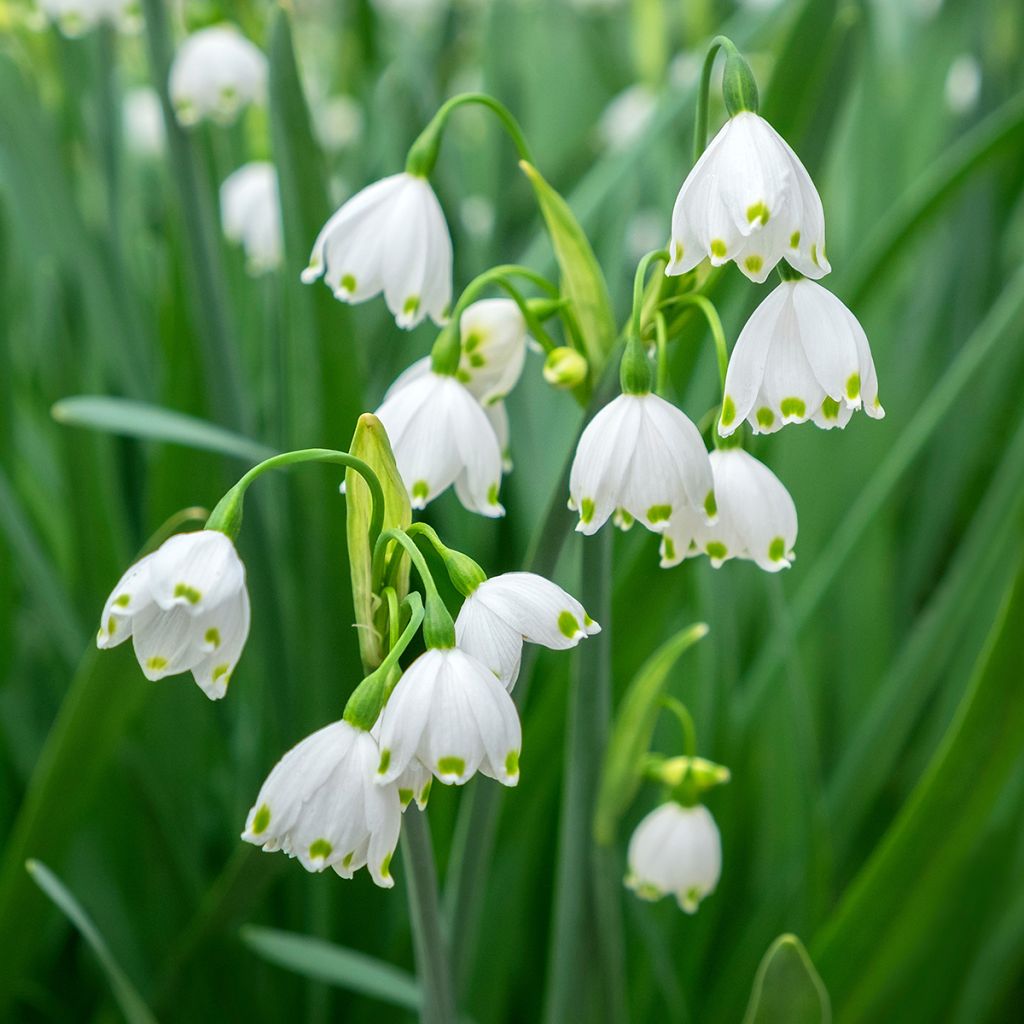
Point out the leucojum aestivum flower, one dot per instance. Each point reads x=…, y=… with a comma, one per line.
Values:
x=438, y=700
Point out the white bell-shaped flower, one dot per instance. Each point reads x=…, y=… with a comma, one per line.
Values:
x=643, y=456
x=675, y=850
x=391, y=237
x=216, y=73
x=186, y=608
x=250, y=213
x=414, y=783
x=756, y=518
x=321, y=804
x=451, y=713
x=504, y=611
x=75, y=18
x=441, y=436
x=802, y=355
x=749, y=199
x=494, y=340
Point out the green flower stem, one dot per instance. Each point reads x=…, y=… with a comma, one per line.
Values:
x=634, y=370
x=738, y=88
x=438, y=628
x=423, y=152
x=370, y=696
x=707, y=307
x=661, y=334
x=433, y=963
x=227, y=516
x=447, y=350
x=465, y=574
x=639, y=280
x=685, y=719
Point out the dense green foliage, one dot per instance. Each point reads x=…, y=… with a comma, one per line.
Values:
x=867, y=702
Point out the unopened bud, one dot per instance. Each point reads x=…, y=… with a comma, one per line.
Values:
x=565, y=368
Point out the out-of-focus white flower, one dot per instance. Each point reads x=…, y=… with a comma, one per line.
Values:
x=339, y=122
x=216, y=73
x=391, y=237
x=802, y=355
x=441, y=436
x=143, y=122
x=451, y=713
x=75, y=18
x=477, y=215
x=504, y=611
x=675, y=851
x=250, y=213
x=963, y=84
x=627, y=116
x=750, y=200
x=756, y=518
x=645, y=231
x=643, y=456
x=321, y=804
x=685, y=68
x=186, y=608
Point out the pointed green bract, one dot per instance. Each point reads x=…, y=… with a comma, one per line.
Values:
x=787, y=988
x=370, y=443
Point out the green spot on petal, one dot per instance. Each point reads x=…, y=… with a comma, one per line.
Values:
x=659, y=513
x=385, y=867
x=587, y=510
x=385, y=760
x=411, y=305
x=111, y=624
x=189, y=593
x=348, y=282
x=213, y=637
x=717, y=550
x=830, y=408
x=320, y=850
x=814, y=254
x=567, y=624
x=261, y=820
x=728, y=411
x=677, y=251
x=472, y=341
x=123, y=600
x=753, y=263
x=451, y=765
x=492, y=494
x=668, y=548
x=765, y=417
x=777, y=550
x=853, y=387
x=795, y=407
x=156, y=663
x=794, y=240
x=757, y=212
x=477, y=361
x=512, y=763
x=405, y=795
x=420, y=490
x=718, y=248
x=711, y=505
x=349, y=857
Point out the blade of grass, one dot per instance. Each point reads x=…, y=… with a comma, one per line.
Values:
x=132, y=1005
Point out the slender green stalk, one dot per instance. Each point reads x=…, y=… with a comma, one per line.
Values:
x=431, y=946
x=707, y=307
x=685, y=719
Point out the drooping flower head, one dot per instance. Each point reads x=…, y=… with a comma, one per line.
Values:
x=441, y=436
x=250, y=211
x=75, y=18
x=391, y=237
x=756, y=518
x=143, y=122
x=494, y=340
x=675, y=851
x=802, y=355
x=643, y=456
x=750, y=200
x=186, y=608
x=321, y=804
x=452, y=714
x=506, y=610
x=216, y=73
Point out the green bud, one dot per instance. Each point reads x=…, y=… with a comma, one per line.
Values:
x=464, y=573
x=739, y=89
x=227, y=515
x=675, y=771
x=565, y=367
x=545, y=309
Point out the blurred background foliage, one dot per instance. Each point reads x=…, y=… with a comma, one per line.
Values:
x=867, y=703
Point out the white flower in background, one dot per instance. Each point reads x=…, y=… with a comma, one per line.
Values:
x=963, y=84
x=216, y=73
x=250, y=213
x=185, y=607
x=321, y=804
x=644, y=232
x=441, y=436
x=143, y=122
x=504, y=611
x=391, y=237
x=756, y=518
x=643, y=456
x=801, y=355
x=675, y=851
x=449, y=711
x=339, y=122
x=477, y=216
x=75, y=18
x=685, y=68
x=749, y=199
x=626, y=117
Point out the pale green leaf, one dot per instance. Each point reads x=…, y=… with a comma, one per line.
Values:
x=787, y=988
